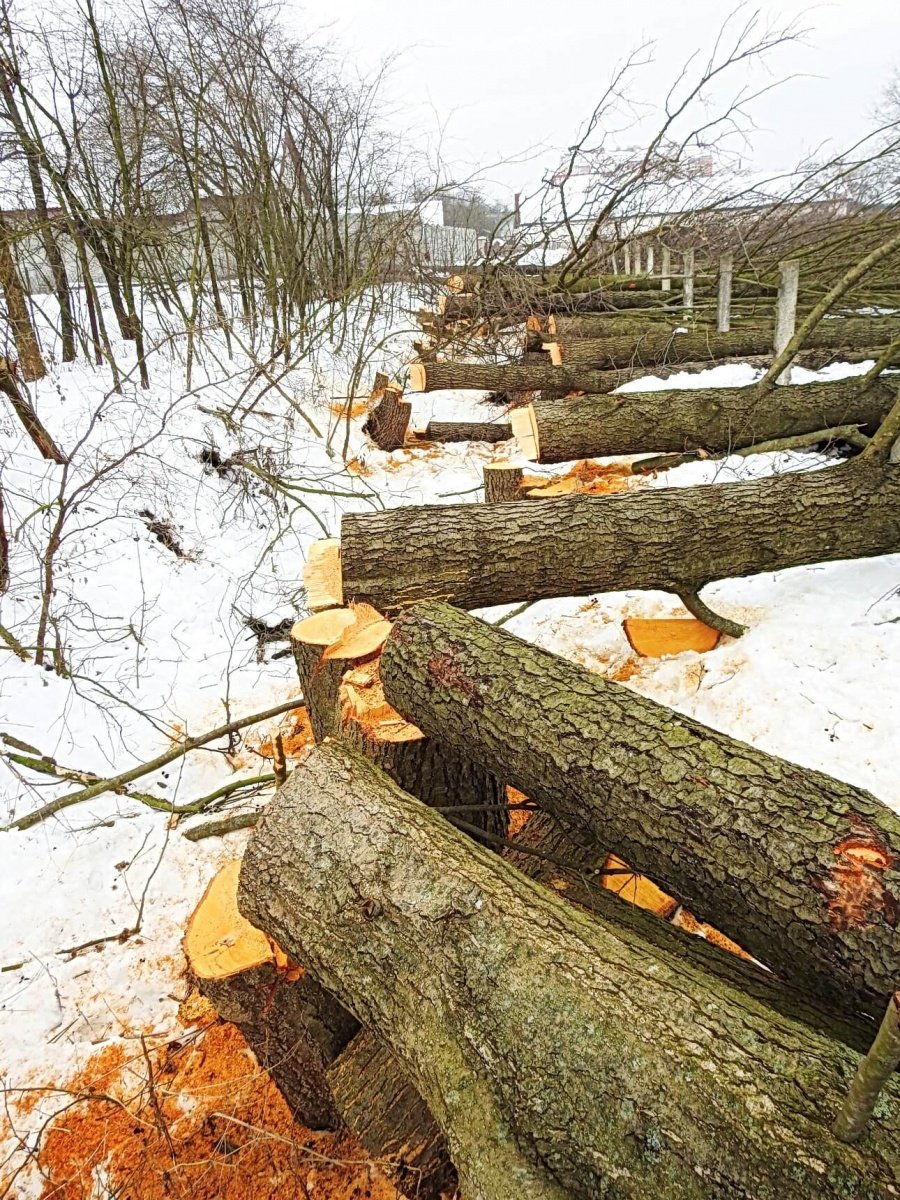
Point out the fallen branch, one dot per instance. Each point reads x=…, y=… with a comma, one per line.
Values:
x=116, y=783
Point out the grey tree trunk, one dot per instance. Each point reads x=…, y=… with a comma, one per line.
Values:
x=559, y=1055
x=544, y=377
x=714, y=419
x=798, y=868
x=473, y=308
x=675, y=539
x=653, y=347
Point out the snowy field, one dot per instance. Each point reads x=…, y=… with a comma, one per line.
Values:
x=156, y=648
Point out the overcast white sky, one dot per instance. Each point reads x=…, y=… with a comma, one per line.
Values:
x=501, y=77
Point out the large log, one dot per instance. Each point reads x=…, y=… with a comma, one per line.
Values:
x=674, y=539
x=560, y=1056
x=558, y=380
x=476, y=308
x=680, y=419
x=513, y=377
x=654, y=347
x=799, y=868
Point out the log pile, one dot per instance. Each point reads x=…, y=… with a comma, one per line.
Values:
x=477, y=1007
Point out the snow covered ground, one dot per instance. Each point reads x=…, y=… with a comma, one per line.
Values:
x=157, y=648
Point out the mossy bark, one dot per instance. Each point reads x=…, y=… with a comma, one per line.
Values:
x=800, y=869
x=559, y=1056
x=674, y=539
x=713, y=419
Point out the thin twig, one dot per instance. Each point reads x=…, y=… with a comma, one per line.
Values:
x=117, y=782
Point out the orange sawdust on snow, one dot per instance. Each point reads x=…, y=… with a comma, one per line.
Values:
x=355, y=467
x=296, y=735
x=584, y=478
x=212, y=1126
x=357, y=408
x=626, y=670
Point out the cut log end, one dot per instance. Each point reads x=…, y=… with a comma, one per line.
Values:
x=364, y=709
x=322, y=575
x=525, y=432
x=502, y=482
x=417, y=377
x=220, y=943
x=656, y=638
x=322, y=628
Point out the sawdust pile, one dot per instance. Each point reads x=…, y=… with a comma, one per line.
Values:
x=194, y=1119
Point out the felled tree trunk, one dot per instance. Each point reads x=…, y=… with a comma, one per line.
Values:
x=433, y=377
x=560, y=1056
x=680, y=419
x=344, y=698
x=388, y=419
x=652, y=347
x=558, y=380
x=797, y=867
x=457, y=308
x=674, y=539
x=467, y=431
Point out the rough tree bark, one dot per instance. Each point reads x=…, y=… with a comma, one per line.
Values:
x=560, y=1056
x=391, y=1120
x=714, y=419
x=502, y=482
x=798, y=868
x=388, y=419
x=652, y=347
x=529, y=377
x=675, y=539
x=466, y=431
